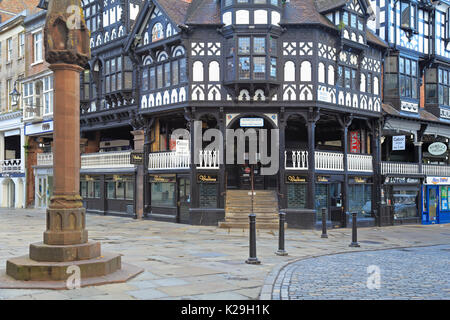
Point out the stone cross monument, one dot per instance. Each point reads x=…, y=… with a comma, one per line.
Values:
x=66, y=242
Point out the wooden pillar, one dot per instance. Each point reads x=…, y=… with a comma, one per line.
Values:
x=376, y=164
x=222, y=166
x=311, y=203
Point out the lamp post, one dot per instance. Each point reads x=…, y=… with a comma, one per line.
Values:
x=15, y=94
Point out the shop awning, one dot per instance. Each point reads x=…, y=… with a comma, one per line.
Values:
x=402, y=125
x=438, y=130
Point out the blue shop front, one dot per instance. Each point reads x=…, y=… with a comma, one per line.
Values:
x=436, y=197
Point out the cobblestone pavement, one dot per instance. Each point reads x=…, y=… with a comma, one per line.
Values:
x=196, y=262
x=413, y=273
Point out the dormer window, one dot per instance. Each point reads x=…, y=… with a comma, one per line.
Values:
x=408, y=17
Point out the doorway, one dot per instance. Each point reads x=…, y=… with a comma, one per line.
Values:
x=433, y=205
x=184, y=199
x=239, y=175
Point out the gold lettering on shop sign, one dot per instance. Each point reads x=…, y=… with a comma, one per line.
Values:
x=206, y=178
x=360, y=180
x=296, y=179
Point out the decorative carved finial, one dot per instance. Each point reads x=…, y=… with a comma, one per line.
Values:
x=66, y=37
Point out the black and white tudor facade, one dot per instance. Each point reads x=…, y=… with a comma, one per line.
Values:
x=311, y=69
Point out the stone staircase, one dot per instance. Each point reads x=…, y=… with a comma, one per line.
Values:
x=239, y=206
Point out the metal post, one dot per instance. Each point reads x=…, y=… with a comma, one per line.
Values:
x=281, y=251
x=324, y=223
x=252, y=259
x=354, y=230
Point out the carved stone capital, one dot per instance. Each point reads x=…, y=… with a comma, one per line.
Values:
x=66, y=36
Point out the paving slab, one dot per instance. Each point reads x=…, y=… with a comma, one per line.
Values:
x=182, y=261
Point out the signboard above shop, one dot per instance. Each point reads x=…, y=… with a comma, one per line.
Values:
x=398, y=143
x=437, y=181
x=437, y=148
x=39, y=128
x=251, y=122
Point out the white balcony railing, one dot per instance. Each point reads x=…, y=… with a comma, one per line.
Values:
x=11, y=166
x=168, y=160
x=399, y=168
x=329, y=161
x=45, y=159
x=209, y=159
x=101, y=160
x=106, y=160
x=360, y=163
x=299, y=160
x=436, y=170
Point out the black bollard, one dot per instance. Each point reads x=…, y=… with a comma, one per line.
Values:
x=252, y=259
x=354, y=230
x=324, y=223
x=281, y=251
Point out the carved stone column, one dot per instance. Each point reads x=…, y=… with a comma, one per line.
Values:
x=66, y=238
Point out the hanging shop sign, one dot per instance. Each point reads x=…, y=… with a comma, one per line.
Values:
x=438, y=180
x=398, y=143
x=401, y=180
x=437, y=148
x=355, y=142
x=251, y=122
x=207, y=178
x=137, y=158
x=163, y=179
x=182, y=147
x=295, y=179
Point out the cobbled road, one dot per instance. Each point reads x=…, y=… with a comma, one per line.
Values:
x=412, y=273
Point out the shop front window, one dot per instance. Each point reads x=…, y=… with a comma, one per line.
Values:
x=321, y=200
x=296, y=196
x=120, y=188
x=360, y=199
x=405, y=202
x=444, y=199
x=163, y=194
x=208, y=195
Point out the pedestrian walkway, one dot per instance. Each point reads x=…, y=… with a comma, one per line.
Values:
x=196, y=262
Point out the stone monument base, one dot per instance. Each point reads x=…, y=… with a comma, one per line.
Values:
x=126, y=273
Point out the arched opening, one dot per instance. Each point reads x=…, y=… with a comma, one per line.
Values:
x=250, y=137
x=9, y=194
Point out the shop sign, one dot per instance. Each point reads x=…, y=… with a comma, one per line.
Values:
x=88, y=178
x=322, y=179
x=398, y=143
x=438, y=180
x=206, y=178
x=164, y=179
x=355, y=142
x=137, y=158
x=359, y=180
x=251, y=122
x=437, y=148
x=401, y=180
x=295, y=179
x=39, y=128
x=182, y=147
